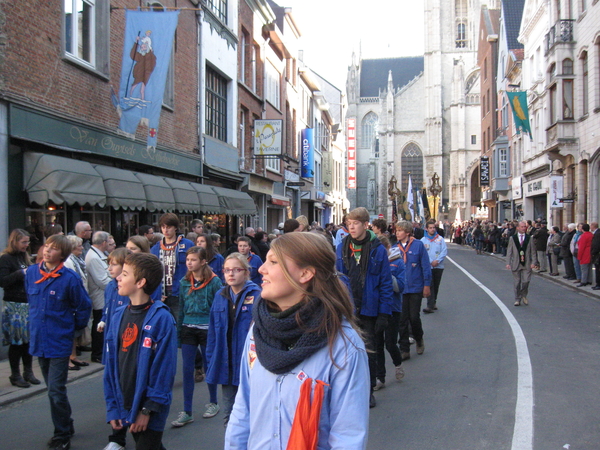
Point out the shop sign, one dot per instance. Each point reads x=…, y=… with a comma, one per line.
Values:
x=267, y=137
x=484, y=171
x=307, y=147
x=517, y=191
x=535, y=187
x=556, y=191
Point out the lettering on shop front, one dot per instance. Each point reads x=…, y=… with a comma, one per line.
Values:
x=535, y=186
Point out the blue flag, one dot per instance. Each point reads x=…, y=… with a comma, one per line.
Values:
x=518, y=102
x=146, y=58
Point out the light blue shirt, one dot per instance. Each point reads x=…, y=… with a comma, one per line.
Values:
x=265, y=404
x=436, y=249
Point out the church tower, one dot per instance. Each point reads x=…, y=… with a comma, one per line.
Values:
x=452, y=110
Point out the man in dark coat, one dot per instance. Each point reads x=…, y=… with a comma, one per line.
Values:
x=565, y=252
x=596, y=252
x=540, y=238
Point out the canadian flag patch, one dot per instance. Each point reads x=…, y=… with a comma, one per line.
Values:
x=147, y=342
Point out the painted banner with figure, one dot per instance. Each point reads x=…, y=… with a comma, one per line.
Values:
x=146, y=59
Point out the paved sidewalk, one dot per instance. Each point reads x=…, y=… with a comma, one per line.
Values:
x=10, y=394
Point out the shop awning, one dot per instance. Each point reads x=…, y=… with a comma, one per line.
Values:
x=236, y=203
x=159, y=195
x=280, y=201
x=186, y=197
x=61, y=180
x=209, y=201
x=123, y=189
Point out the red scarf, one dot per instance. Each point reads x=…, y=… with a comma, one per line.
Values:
x=203, y=285
x=405, y=251
x=305, y=428
x=47, y=275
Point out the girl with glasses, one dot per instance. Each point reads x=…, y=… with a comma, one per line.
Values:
x=230, y=319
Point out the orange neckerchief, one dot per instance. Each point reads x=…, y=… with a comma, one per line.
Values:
x=203, y=285
x=305, y=428
x=47, y=275
x=355, y=250
x=250, y=254
x=405, y=251
x=164, y=247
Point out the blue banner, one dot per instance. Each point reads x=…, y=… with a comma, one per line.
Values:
x=307, y=138
x=146, y=58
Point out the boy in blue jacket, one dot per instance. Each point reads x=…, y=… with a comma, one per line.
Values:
x=141, y=356
x=171, y=252
x=418, y=281
x=365, y=261
x=58, y=306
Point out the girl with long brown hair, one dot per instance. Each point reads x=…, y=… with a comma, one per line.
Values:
x=303, y=345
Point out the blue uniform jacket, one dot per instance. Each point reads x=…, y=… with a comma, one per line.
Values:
x=157, y=364
x=417, y=268
x=265, y=403
x=397, y=269
x=57, y=307
x=378, y=290
x=180, y=267
x=224, y=362
x=112, y=300
x=216, y=264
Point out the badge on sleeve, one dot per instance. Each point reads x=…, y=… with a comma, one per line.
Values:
x=147, y=342
x=249, y=300
x=252, y=355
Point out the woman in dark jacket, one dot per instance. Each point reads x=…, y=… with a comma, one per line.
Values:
x=14, y=261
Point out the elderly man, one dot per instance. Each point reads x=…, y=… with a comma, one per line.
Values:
x=519, y=260
x=83, y=230
x=98, y=279
x=197, y=226
x=249, y=232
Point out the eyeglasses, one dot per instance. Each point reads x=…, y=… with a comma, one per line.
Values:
x=234, y=270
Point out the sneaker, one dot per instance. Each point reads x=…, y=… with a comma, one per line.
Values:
x=199, y=376
x=411, y=340
x=428, y=310
x=372, y=401
x=59, y=444
x=212, y=409
x=183, y=419
x=405, y=356
x=399, y=373
x=420, y=347
x=113, y=446
x=525, y=301
x=379, y=385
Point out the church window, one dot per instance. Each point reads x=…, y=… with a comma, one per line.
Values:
x=461, y=35
x=369, y=126
x=86, y=40
x=412, y=163
x=460, y=15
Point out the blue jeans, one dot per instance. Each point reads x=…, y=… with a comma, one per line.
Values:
x=577, y=267
x=55, y=371
x=228, y=392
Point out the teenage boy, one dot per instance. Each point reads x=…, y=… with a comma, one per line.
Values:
x=417, y=285
x=58, y=306
x=365, y=261
x=437, y=251
x=171, y=252
x=141, y=357
x=244, y=247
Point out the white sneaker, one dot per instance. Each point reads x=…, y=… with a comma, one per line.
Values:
x=212, y=409
x=379, y=385
x=183, y=419
x=399, y=373
x=411, y=340
x=113, y=446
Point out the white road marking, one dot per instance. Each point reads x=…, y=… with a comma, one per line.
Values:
x=523, y=429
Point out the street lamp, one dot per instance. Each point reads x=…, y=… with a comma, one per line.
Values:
x=435, y=189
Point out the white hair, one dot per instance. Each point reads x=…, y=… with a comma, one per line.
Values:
x=572, y=226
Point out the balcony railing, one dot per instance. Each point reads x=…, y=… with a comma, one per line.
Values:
x=561, y=31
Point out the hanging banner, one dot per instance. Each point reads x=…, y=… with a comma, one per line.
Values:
x=556, y=191
x=146, y=58
x=351, y=133
x=307, y=137
x=484, y=171
x=518, y=102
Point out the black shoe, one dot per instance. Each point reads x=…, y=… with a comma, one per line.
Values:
x=428, y=310
x=17, y=380
x=87, y=348
x=97, y=360
x=372, y=401
x=595, y=288
x=30, y=378
x=59, y=444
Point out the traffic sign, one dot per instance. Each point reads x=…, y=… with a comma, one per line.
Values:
x=296, y=183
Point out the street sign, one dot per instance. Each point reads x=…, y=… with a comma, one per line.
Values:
x=296, y=183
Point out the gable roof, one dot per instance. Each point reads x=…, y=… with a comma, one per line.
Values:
x=513, y=13
x=374, y=73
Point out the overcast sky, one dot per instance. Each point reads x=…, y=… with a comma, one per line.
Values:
x=332, y=29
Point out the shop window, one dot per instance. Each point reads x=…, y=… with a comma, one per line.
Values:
x=37, y=220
